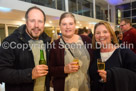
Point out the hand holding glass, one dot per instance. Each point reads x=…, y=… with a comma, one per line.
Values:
x=76, y=60
x=100, y=66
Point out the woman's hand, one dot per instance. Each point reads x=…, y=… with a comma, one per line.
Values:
x=71, y=67
x=103, y=75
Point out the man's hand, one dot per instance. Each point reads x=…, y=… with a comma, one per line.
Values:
x=39, y=71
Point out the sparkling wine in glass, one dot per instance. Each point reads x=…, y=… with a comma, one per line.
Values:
x=100, y=66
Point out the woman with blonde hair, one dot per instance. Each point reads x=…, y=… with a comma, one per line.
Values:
x=70, y=58
x=119, y=64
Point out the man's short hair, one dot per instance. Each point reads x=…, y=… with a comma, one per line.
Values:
x=34, y=7
x=127, y=21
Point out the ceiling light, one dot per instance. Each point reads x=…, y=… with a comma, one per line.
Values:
x=56, y=18
x=23, y=19
x=20, y=23
x=3, y=9
x=114, y=2
x=92, y=23
x=53, y=31
x=46, y=25
x=77, y=26
x=50, y=21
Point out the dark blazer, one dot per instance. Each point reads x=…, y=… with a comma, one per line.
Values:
x=16, y=62
x=56, y=64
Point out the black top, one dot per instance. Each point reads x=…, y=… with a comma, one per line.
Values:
x=128, y=61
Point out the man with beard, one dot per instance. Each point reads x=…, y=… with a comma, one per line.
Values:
x=19, y=60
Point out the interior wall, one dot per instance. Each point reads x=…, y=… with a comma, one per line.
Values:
x=2, y=32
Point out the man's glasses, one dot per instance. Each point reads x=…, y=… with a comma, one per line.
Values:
x=122, y=25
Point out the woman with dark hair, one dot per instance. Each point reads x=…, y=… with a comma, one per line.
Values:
x=70, y=75
x=119, y=36
x=120, y=64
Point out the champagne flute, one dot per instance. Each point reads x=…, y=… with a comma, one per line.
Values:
x=100, y=66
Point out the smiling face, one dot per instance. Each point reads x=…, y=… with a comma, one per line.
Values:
x=102, y=35
x=67, y=27
x=35, y=23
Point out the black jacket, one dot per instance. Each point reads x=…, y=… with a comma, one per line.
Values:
x=121, y=79
x=17, y=61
